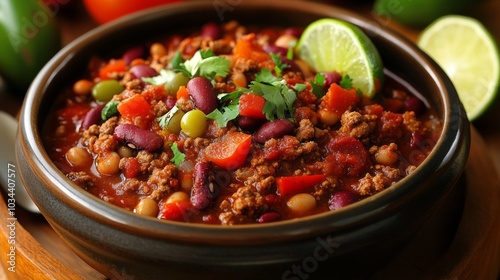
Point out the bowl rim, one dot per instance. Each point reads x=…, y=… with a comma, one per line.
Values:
x=117, y=217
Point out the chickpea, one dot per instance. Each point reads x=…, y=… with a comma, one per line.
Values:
x=240, y=79
x=328, y=117
x=158, y=50
x=83, y=87
x=301, y=203
x=285, y=40
x=387, y=154
x=177, y=197
x=147, y=207
x=109, y=163
x=78, y=156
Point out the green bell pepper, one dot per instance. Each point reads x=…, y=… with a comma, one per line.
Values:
x=29, y=37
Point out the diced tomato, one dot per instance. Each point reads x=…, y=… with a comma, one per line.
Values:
x=131, y=168
x=134, y=106
x=338, y=99
x=114, y=66
x=182, y=92
x=231, y=152
x=247, y=48
x=374, y=109
x=347, y=157
x=252, y=105
x=176, y=211
x=297, y=184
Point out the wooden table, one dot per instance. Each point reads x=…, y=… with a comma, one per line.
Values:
x=474, y=252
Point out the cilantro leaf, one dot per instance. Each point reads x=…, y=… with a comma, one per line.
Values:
x=280, y=65
x=178, y=155
x=176, y=61
x=346, y=82
x=290, y=52
x=227, y=114
x=164, y=77
x=317, y=85
x=279, y=98
x=166, y=118
x=205, y=63
x=110, y=109
x=299, y=87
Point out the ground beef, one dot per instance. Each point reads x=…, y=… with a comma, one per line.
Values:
x=82, y=179
x=108, y=127
x=305, y=131
x=245, y=202
x=104, y=144
x=163, y=181
x=289, y=147
x=356, y=125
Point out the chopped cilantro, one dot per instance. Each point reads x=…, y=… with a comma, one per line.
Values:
x=205, y=63
x=225, y=114
x=279, y=97
x=346, y=82
x=176, y=61
x=318, y=85
x=164, y=77
x=299, y=87
x=280, y=65
x=290, y=52
x=165, y=119
x=178, y=155
x=110, y=109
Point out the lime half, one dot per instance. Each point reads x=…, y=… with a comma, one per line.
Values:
x=469, y=55
x=334, y=45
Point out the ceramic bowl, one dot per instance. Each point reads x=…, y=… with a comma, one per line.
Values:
x=353, y=242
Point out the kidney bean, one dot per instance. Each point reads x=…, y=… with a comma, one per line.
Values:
x=331, y=78
x=248, y=123
x=132, y=53
x=292, y=65
x=92, y=117
x=273, y=129
x=414, y=104
x=211, y=30
x=269, y=217
x=140, y=138
x=204, y=190
x=140, y=71
x=202, y=93
x=341, y=199
x=269, y=48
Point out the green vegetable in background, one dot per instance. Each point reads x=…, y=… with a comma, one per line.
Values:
x=28, y=39
x=419, y=13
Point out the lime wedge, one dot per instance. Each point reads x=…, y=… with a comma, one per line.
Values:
x=469, y=55
x=334, y=45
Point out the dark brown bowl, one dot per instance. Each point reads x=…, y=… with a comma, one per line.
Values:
x=352, y=242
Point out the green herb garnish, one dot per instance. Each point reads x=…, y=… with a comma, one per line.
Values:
x=109, y=110
x=164, y=120
x=178, y=155
x=318, y=85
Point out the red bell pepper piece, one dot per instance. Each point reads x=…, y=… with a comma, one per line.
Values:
x=297, y=184
x=114, y=66
x=231, y=152
x=176, y=211
x=134, y=106
x=252, y=105
x=338, y=99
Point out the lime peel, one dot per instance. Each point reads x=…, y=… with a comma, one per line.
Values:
x=469, y=55
x=334, y=45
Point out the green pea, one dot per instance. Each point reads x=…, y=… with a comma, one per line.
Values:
x=105, y=90
x=177, y=80
x=174, y=125
x=194, y=123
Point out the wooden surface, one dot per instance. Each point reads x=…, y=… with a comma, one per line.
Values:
x=470, y=252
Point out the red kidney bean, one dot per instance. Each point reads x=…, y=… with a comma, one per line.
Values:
x=92, y=117
x=273, y=129
x=296, y=32
x=269, y=217
x=269, y=48
x=141, y=71
x=292, y=65
x=341, y=199
x=414, y=104
x=211, y=30
x=248, y=123
x=202, y=93
x=204, y=190
x=132, y=53
x=331, y=78
x=140, y=138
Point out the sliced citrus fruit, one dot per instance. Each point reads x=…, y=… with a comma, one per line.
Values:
x=335, y=45
x=469, y=55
